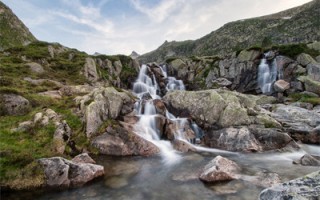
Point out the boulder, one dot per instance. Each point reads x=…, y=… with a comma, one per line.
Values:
x=90, y=70
x=35, y=67
x=233, y=139
x=55, y=94
x=13, y=104
x=61, y=137
x=42, y=81
x=219, y=169
x=250, y=55
x=70, y=90
x=308, y=160
x=281, y=86
x=313, y=71
x=183, y=146
x=306, y=187
x=120, y=141
x=300, y=123
x=305, y=59
x=83, y=158
x=102, y=104
x=221, y=82
x=63, y=173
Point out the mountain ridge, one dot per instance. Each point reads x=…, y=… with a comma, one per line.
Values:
x=296, y=25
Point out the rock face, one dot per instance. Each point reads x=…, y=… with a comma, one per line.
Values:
x=102, y=104
x=12, y=104
x=299, y=122
x=120, y=141
x=220, y=169
x=35, y=67
x=90, y=70
x=307, y=187
x=62, y=173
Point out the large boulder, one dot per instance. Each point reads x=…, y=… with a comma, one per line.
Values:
x=314, y=71
x=300, y=123
x=281, y=85
x=35, y=67
x=305, y=59
x=306, y=187
x=63, y=173
x=120, y=141
x=90, y=70
x=220, y=169
x=102, y=104
x=308, y=160
x=12, y=104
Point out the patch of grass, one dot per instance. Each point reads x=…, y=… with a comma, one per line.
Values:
x=293, y=50
x=305, y=98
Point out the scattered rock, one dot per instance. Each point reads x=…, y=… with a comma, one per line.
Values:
x=70, y=90
x=307, y=187
x=220, y=169
x=12, y=104
x=83, y=158
x=55, y=94
x=308, y=160
x=35, y=67
x=62, y=173
x=281, y=85
x=42, y=81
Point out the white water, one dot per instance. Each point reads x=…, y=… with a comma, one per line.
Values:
x=267, y=75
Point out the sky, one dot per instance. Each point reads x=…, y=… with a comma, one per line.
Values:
x=121, y=26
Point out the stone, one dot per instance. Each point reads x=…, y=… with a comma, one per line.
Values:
x=90, y=70
x=306, y=187
x=248, y=55
x=62, y=173
x=61, y=137
x=55, y=94
x=70, y=90
x=313, y=71
x=314, y=45
x=183, y=146
x=23, y=126
x=35, y=67
x=304, y=105
x=233, y=139
x=281, y=85
x=13, y=104
x=42, y=81
x=116, y=182
x=119, y=141
x=221, y=82
x=298, y=122
x=297, y=86
x=220, y=169
x=37, y=117
x=270, y=55
x=263, y=179
x=308, y=160
x=83, y=158
x=305, y=59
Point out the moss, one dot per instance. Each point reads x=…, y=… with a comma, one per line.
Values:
x=305, y=98
x=293, y=50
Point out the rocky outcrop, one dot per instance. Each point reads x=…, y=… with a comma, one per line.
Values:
x=120, y=141
x=90, y=70
x=13, y=104
x=300, y=123
x=308, y=160
x=83, y=158
x=307, y=187
x=63, y=173
x=102, y=104
x=35, y=67
x=220, y=169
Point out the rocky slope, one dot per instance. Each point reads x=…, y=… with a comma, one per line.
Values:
x=13, y=32
x=296, y=25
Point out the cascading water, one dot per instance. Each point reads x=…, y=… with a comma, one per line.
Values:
x=267, y=74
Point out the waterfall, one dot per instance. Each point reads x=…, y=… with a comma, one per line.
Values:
x=267, y=74
x=146, y=126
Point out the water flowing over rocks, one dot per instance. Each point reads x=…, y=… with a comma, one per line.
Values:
x=63, y=173
x=307, y=187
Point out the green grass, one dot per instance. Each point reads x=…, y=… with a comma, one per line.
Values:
x=293, y=50
x=305, y=98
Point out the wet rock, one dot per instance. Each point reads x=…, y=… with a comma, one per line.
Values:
x=160, y=107
x=298, y=122
x=307, y=187
x=63, y=173
x=183, y=176
x=281, y=86
x=116, y=182
x=183, y=146
x=83, y=158
x=12, y=104
x=35, y=67
x=308, y=160
x=220, y=169
x=233, y=139
x=263, y=179
x=122, y=142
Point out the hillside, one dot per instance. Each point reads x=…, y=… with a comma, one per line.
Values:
x=13, y=32
x=297, y=25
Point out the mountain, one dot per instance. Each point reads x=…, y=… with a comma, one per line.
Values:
x=13, y=32
x=134, y=55
x=297, y=25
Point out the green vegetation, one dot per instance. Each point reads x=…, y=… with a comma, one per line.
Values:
x=305, y=98
x=293, y=50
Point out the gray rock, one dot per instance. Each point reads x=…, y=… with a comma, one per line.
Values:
x=75, y=90
x=55, y=94
x=183, y=146
x=314, y=71
x=12, y=104
x=299, y=122
x=42, y=81
x=61, y=137
x=308, y=160
x=281, y=85
x=23, y=126
x=307, y=187
x=305, y=59
x=248, y=55
x=83, y=158
x=90, y=70
x=220, y=169
x=233, y=139
x=63, y=173
x=221, y=82
x=297, y=86
x=35, y=67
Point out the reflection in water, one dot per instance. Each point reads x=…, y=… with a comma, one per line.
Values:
x=148, y=178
